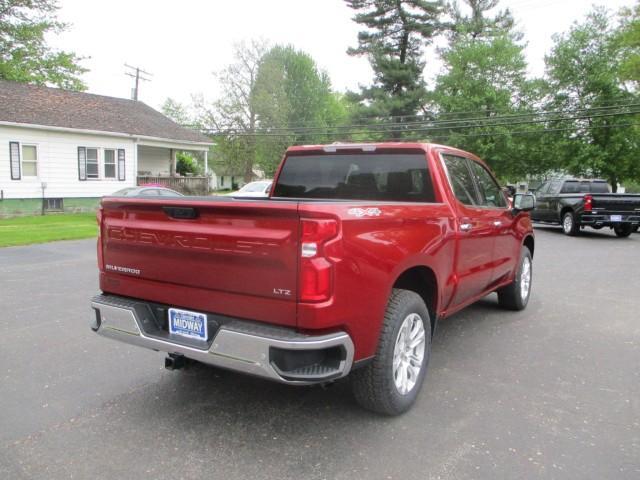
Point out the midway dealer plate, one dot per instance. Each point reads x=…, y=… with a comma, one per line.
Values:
x=188, y=324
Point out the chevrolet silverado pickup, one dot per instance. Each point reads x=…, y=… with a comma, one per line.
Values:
x=576, y=204
x=345, y=269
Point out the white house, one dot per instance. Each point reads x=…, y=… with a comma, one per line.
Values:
x=71, y=145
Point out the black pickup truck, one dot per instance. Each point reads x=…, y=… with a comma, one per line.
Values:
x=576, y=204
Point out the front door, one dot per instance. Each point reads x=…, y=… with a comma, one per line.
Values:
x=506, y=247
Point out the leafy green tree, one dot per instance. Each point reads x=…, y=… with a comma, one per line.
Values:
x=294, y=103
x=483, y=90
x=628, y=38
x=177, y=112
x=395, y=34
x=24, y=53
x=476, y=24
x=583, y=72
x=233, y=116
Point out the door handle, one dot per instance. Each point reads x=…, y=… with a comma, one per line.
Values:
x=465, y=227
x=497, y=223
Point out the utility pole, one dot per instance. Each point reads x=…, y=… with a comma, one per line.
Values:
x=138, y=74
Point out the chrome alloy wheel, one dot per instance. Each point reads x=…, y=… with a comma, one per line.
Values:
x=408, y=353
x=567, y=223
x=525, y=278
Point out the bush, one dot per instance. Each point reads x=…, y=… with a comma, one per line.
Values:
x=631, y=187
x=186, y=164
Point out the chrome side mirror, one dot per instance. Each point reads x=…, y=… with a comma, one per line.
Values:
x=524, y=202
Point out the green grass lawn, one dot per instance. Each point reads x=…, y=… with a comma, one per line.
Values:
x=41, y=229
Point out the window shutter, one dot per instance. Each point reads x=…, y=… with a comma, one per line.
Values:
x=121, y=165
x=82, y=163
x=14, y=158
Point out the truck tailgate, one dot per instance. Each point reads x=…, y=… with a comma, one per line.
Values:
x=204, y=254
x=616, y=202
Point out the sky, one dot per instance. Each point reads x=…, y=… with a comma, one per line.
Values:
x=183, y=43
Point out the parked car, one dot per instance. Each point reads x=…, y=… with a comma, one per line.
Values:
x=254, y=189
x=146, y=191
x=576, y=204
x=345, y=270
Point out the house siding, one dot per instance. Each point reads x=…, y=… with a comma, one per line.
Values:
x=58, y=164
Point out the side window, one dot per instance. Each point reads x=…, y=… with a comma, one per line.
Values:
x=461, y=180
x=570, y=186
x=490, y=192
x=554, y=187
x=544, y=188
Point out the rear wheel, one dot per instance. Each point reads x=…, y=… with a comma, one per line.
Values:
x=623, y=230
x=515, y=296
x=392, y=381
x=570, y=225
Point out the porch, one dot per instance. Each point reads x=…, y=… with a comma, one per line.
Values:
x=186, y=185
x=157, y=163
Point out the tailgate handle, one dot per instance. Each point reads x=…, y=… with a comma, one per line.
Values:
x=181, y=212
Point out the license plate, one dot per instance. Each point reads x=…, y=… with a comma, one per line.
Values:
x=188, y=324
x=616, y=218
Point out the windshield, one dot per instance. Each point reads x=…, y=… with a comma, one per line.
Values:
x=363, y=176
x=255, y=187
x=123, y=192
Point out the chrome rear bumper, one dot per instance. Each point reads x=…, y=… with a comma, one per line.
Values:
x=239, y=345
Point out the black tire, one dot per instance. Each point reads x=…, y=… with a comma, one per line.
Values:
x=374, y=385
x=623, y=230
x=510, y=297
x=635, y=228
x=570, y=225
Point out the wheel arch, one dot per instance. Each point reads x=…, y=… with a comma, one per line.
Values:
x=565, y=209
x=530, y=243
x=423, y=281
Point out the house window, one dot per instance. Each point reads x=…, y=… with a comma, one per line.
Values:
x=29, y=160
x=109, y=164
x=54, y=204
x=92, y=163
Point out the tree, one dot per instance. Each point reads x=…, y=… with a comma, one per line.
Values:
x=234, y=114
x=628, y=38
x=583, y=70
x=294, y=103
x=176, y=111
x=477, y=24
x=394, y=39
x=482, y=86
x=24, y=53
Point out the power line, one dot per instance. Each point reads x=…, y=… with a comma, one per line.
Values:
x=517, y=132
x=424, y=117
x=434, y=127
x=138, y=75
x=433, y=123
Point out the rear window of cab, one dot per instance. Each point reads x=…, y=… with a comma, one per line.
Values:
x=400, y=177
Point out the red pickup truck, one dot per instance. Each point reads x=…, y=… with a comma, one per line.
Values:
x=345, y=269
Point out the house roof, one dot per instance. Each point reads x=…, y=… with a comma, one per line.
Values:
x=31, y=104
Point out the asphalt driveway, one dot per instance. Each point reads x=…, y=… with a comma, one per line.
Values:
x=551, y=392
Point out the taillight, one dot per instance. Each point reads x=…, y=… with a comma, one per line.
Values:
x=588, y=203
x=316, y=271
